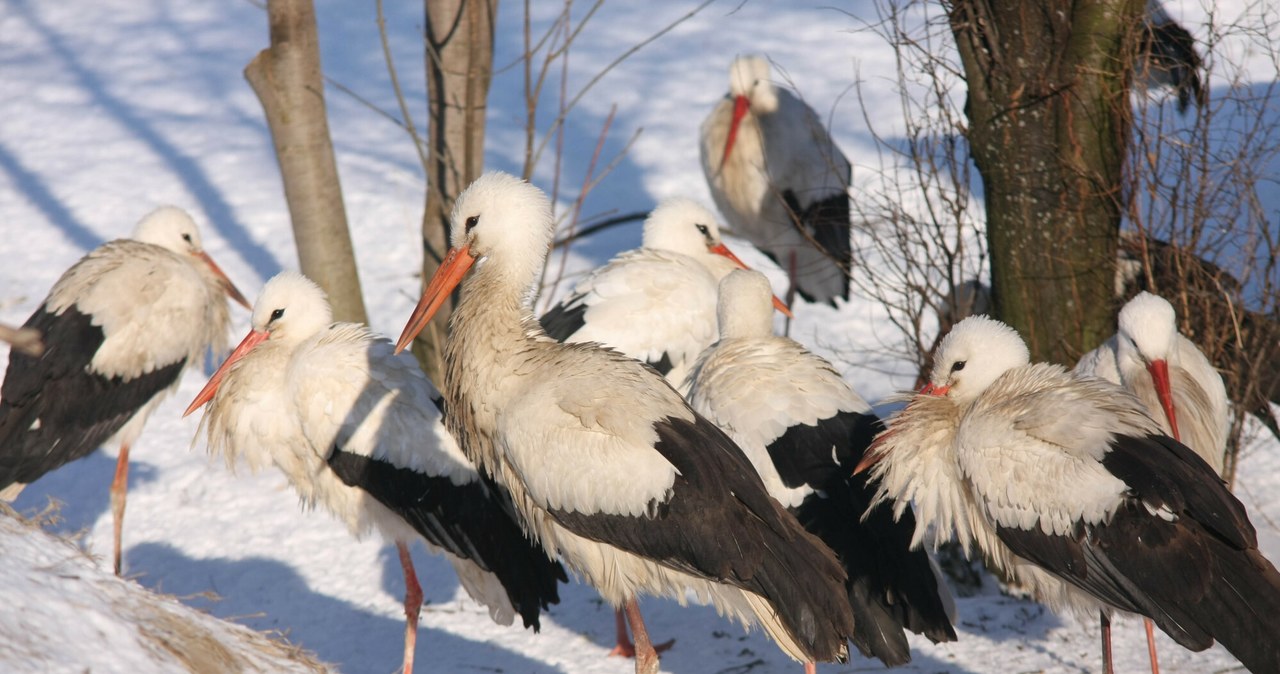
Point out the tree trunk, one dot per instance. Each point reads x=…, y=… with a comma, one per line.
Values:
x=459, y=37
x=286, y=77
x=1048, y=123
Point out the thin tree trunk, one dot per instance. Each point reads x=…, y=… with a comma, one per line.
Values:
x=459, y=36
x=1048, y=123
x=287, y=79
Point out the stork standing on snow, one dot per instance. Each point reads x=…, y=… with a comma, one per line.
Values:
x=356, y=429
x=1070, y=486
x=780, y=180
x=804, y=429
x=120, y=327
x=608, y=465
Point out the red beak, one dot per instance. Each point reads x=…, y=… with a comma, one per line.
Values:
x=227, y=285
x=1159, y=370
x=740, y=107
x=721, y=249
x=447, y=277
x=930, y=390
x=251, y=340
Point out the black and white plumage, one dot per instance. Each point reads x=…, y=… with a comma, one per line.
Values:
x=1169, y=56
x=656, y=303
x=805, y=429
x=780, y=181
x=356, y=430
x=607, y=464
x=1069, y=485
x=120, y=327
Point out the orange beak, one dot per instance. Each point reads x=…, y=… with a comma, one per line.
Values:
x=721, y=249
x=227, y=285
x=251, y=340
x=1159, y=370
x=740, y=107
x=930, y=390
x=455, y=265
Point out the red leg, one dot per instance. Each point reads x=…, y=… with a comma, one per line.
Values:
x=119, y=490
x=646, y=655
x=810, y=668
x=624, y=647
x=412, y=606
x=1107, y=666
x=1151, y=645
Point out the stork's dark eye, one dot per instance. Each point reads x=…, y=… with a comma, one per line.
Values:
x=704, y=230
x=187, y=238
x=472, y=222
x=957, y=366
x=277, y=314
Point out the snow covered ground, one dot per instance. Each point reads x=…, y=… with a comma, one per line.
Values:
x=116, y=106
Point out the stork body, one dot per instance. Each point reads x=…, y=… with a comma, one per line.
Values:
x=356, y=430
x=119, y=328
x=804, y=430
x=607, y=464
x=1068, y=484
x=1170, y=58
x=780, y=181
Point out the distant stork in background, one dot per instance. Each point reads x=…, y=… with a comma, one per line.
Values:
x=607, y=464
x=1169, y=57
x=356, y=429
x=1067, y=484
x=780, y=181
x=120, y=327
x=805, y=429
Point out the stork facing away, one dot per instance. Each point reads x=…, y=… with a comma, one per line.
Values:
x=356, y=429
x=119, y=328
x=1067, y=484
x=804, y=430
x=609, y=467
x=780, y=181
x=1169, y=56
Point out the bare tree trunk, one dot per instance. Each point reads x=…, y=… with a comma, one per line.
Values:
x=459, y=35
x=287, y=79
x=1048, y=125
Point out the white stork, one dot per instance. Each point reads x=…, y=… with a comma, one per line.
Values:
x=607, y=464
x=120, y=327
x=656, y=303
x=1169, y=56
x=356, y=429
x=1069, y=485
x=780, y=180
x=804, y=429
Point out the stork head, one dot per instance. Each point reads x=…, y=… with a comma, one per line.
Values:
x=171, y=228
x=751, y=91
x=1147, y=338
x=745, y=308
x=290, y=310
x=972, y=356
x=500, y=221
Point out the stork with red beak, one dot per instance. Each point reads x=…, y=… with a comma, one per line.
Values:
x=780, y=181
x=356, y=429
x=804, y=429
x=609, y=467
x=119, y=328
x=1067, y=484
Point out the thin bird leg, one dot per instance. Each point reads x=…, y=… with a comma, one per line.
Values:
x=646, y=656
x=119, y=490
x=1151, y=645
x=624, y=647
x=810, y=668
x=412, y=605
x=1107, y=666
x=791, y=289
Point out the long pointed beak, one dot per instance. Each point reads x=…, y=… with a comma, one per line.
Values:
x=447, y=277
x=251, y=340
x=227, y=285
x=1159, y=370
x=723, y=250
x=740, y=107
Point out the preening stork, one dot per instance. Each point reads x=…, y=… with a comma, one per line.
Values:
x=356, y=429
x=804, y=430
x=656, y=303
x=1069, y=485
x=780, y=180
x=608, y=465
x=120, y=327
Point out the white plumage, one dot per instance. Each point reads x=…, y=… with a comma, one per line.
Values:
x=779, y=179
